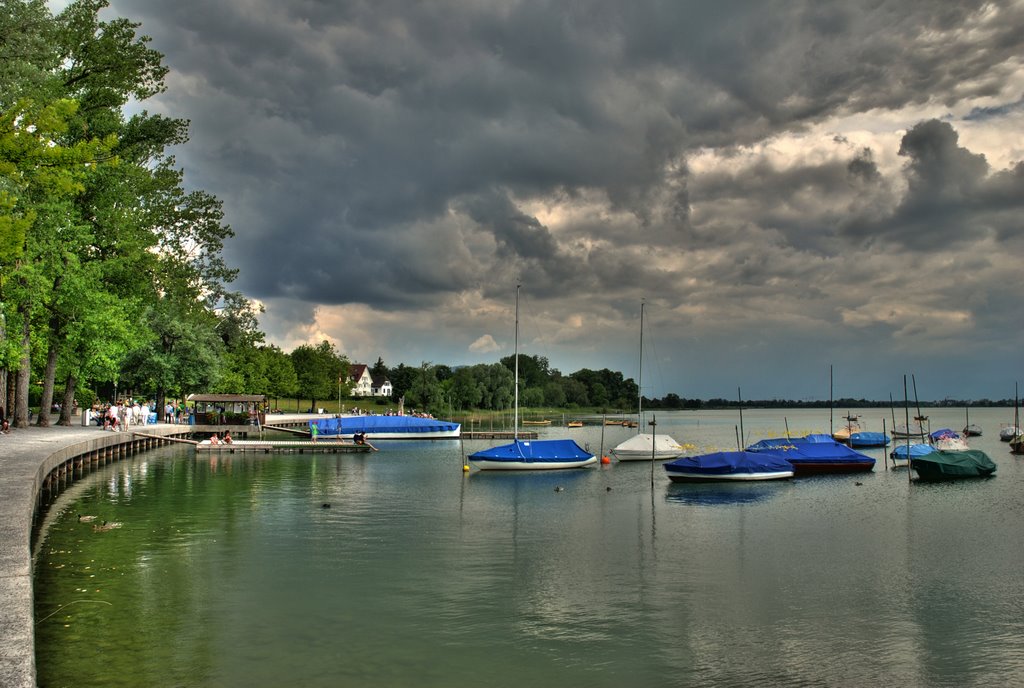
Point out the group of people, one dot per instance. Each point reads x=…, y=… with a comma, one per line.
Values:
x=120, y=416
x=177, y=413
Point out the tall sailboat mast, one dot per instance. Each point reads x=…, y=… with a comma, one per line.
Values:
x=640, y=376
x=515, y=417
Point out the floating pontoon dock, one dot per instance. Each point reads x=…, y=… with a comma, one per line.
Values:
x=284, y=446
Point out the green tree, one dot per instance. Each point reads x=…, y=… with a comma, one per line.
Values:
x=534, y=371
x=281, y=378
x=466, y=389
x=318, y=370
x=497, y=386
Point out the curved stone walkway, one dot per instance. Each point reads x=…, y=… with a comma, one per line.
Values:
x=27, y=456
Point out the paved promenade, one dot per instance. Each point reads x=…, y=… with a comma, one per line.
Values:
x=27, y=456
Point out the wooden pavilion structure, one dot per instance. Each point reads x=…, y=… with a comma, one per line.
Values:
x=228, y=409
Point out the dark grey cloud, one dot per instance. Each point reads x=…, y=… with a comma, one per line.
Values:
x=952, y=200
x=403, y=155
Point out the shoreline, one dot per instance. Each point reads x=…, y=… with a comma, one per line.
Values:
x=30, y=459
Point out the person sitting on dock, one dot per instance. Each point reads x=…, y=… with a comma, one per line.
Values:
x=227, y=437
x=215, y=439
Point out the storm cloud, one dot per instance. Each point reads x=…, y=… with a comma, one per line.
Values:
x=787, y=185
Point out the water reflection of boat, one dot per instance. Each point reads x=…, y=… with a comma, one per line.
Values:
x=719, y=494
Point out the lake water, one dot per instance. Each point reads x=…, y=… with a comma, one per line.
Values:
x=230, y=572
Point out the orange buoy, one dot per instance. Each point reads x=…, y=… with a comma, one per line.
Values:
x=605, y=460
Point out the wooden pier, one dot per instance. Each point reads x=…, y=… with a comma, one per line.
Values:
x=497, y=435
x=284, y=446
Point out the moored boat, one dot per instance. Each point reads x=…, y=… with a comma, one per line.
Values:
x=387, y=427
x=948, y=440
x=852, y=425
x=646, y=446
x=868, y=439
x=915, y=431
x=900, y=453
x=815, y=457
x=970, y=429
x=531, y=455
x=544, y=421
x=953, y=465
x=522, y=455
x=734, y=466
x=1008, y=432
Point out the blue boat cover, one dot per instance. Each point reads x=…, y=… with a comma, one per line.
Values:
x=799, y=449
x=346, y=425
x=869, y=439
x=944, y=433
x=535, y=450
x=916, y=450
x=730, y=463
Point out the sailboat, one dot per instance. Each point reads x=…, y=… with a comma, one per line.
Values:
x=645, y=446
x=530, y=455
x=970, y=429
x=1008, y=433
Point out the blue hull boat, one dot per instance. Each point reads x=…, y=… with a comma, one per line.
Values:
x=728, y=467
x=533, y=455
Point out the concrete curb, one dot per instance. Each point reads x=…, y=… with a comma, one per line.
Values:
x=36, y=462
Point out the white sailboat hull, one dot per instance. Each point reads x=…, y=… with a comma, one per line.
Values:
x=644, y=447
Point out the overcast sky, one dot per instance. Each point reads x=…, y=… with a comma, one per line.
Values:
x=787, y=185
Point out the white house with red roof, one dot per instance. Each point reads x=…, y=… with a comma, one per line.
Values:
x=366, y=385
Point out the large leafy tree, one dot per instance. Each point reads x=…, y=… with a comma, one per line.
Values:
x=97, y=233
x=320, y=371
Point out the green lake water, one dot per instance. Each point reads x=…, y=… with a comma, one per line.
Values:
x=229, y=571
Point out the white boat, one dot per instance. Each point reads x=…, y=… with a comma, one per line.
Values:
x=914, y=431
x=530, y=455
x=646, y=446
x=1008, y=432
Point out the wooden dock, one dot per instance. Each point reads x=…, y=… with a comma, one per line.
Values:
x=497, y=435
x=284, y=446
